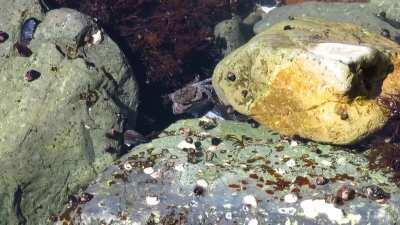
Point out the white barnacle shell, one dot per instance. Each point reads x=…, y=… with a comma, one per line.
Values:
x=202, y=183
x=250, y=200
x=151, y=200
x=179, y=167
x=290, y=198
x=184, y=144
x=228, y=215
x=253, y=222
x=148, y=170
x=97, y=37
x=291, y=163
x=128, y=166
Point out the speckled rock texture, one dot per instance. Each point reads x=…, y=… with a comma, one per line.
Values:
x=231, y=34
x=362, y=14
x=319, y=80
x=250, y=176
x=52, y=128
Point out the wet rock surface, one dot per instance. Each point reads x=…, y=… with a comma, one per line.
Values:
x=231, y=34
x=362, y=14
x=56, y=106
x=319, y=80
x=248, y=176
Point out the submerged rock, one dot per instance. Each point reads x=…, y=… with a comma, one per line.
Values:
x=251, y=177
x=55, y=111
x=319, y=80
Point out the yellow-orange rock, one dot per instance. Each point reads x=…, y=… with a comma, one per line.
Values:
x=319, y=80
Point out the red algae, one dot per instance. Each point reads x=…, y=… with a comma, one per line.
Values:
x=341, y=177
x=385, y=156
x=303, y=181
x=167, y=43
x=172, y=40
x=260, y=185
x=271, y=192
x=253, y=176
x=234, y=186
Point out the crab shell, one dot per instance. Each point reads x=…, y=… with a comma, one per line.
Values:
x=319, y=80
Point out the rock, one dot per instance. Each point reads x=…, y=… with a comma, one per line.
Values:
x=390, y=7
x=231, y=34
x=246, y=181
x=361, y=14
x=52, y=132
x=252, y=18
x=318, y=80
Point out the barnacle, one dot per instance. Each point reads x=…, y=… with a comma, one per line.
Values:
x=90, y=97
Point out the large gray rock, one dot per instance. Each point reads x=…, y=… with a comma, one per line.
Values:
x=253, y=177
x=390, y=7
x=364, y=15
x=52, y=129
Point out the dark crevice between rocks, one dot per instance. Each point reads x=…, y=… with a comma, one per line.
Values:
x=368, y=80
x=382, y=149
x=17, y=206
x=166, y=43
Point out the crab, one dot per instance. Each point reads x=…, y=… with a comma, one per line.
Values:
x=194, y=98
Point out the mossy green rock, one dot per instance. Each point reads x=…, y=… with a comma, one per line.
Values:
x=52, y=128
x=316, y=79
x=251, y=177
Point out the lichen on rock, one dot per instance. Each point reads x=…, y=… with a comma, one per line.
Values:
x=319, y=80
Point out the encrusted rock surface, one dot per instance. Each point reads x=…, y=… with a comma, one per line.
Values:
x=52, y=126
x=249, y=176
x=319, y=80
x=362, y=14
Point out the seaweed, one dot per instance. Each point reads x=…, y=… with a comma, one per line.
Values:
x=167, y=43
x=385, y=156
x=172, y=40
